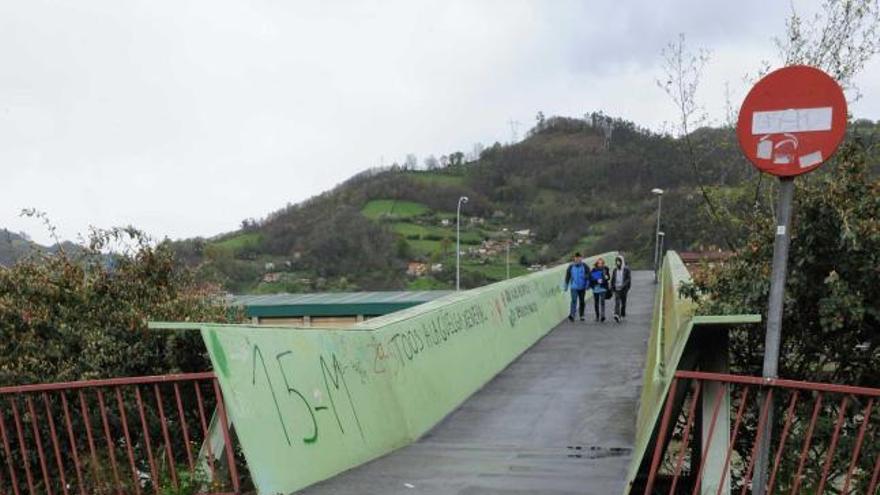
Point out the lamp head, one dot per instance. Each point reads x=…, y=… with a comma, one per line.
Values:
x=657, y=191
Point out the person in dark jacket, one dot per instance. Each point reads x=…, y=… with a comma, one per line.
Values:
x=599, y=284
x=621, y=281
x=576, y=283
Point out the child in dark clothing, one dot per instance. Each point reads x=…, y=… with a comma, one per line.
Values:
x=599, y=277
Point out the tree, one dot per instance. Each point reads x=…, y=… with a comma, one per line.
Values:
x=411, y=162
x=431, y=163
x=477, y=152
x=80, y=314
x=831, y=316
x=831, y=304
x=249, y=225
x=456, y=159
x=539, y=122
x=839, y=39
x=682, y=72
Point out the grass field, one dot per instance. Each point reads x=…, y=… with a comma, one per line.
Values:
x=438, y=178
x=379, y=208
x=409, y=229
x=239, y=242
x=428, y=248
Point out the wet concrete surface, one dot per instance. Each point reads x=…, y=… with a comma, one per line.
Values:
x=559, y=420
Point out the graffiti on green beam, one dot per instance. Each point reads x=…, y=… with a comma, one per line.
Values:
x=334, y=379
x=337, y=376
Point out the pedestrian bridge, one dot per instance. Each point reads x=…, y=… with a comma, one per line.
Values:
x=485, y=391
x=481, y=391
x=560, y=419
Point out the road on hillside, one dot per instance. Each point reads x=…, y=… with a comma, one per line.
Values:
x=559, y=420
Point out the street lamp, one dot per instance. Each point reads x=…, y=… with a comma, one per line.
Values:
x=461, y=200
x=508, y=258
x=659, y=193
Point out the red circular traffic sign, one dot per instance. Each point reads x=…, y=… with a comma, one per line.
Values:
x=792, y=121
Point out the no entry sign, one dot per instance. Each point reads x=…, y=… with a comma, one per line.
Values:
x=792, y=121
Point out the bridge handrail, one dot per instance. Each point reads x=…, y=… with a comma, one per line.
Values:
x=672, y=314
x=825, y=438
x=106, y=382
x=68, y=437
x=671, y=327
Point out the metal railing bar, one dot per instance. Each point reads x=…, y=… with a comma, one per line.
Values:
x=835, y=437
x=798, y=477
x=8, y=453
x=695, y=399
x=124, y=419
x=737, y=423
x=789, y=418
x=55, y=446
x=230, y=455
x=183, y=426
x=716, y=408
x=30, y=406
x=108, y=382
x=73, y=447
x=779, y=383
x=858, y=447
x=165, y=435
x=661, y=437
x=762, y=421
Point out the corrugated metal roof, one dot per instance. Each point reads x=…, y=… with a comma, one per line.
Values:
x=334, y=303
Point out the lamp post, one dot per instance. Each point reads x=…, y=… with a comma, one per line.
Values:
x=461, y=200
x=659, y=193
x=508, y=258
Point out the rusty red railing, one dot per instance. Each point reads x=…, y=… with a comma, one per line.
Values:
x=115, y=436
x=824, y=438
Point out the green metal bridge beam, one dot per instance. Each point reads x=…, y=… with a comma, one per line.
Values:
x=679, y=340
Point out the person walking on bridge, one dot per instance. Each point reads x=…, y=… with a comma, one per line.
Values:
x=621, y=280
x=599, y=283
x=576, y=282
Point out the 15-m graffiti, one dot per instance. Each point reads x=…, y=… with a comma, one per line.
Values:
x=333, y=376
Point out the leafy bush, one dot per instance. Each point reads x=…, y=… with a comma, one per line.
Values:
x=70, y=316
x=831, y=324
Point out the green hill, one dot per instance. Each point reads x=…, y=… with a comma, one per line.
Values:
x=563, y=188
x=562, y=184
x=13, y=246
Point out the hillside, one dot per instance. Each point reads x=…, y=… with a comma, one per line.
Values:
x=560, y=189
x=563, y=188
x=14, y=247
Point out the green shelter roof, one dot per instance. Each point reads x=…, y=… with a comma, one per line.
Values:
x=334, y=303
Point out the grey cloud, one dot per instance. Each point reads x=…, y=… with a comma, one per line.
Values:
x=185, y=117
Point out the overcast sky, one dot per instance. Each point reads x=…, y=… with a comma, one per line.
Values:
x=185, y=117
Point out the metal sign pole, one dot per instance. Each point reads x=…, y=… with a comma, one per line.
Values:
x=774, y=320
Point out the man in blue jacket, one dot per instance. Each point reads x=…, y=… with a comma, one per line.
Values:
x=576, y=282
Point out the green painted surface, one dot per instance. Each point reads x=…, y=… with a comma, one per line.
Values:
x=672, y=325
x=308, y=404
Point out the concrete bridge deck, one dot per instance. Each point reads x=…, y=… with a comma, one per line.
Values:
x=559, y=420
